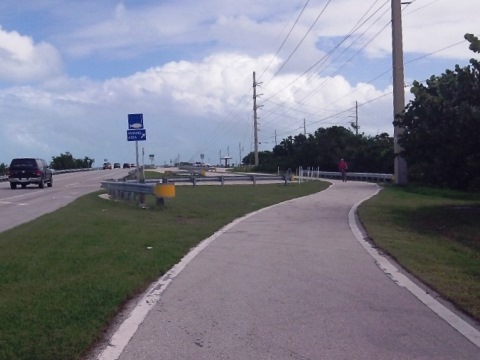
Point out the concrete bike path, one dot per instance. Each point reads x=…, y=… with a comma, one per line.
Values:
x=289, y=282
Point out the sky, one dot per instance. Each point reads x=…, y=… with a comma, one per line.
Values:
x=72, y=71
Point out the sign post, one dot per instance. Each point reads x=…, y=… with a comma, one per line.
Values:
x=137, y=133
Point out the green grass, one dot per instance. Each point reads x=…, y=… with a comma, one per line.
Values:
x=435, y=235
x=65, y=275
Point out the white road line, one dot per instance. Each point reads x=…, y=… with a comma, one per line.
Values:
x=400, y=279
x=72, y=184
x=12, y=203
x=20, y=195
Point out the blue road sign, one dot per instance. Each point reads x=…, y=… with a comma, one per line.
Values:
x=135, y=121
x=137, y=135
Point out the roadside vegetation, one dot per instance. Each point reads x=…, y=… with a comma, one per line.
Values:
x=65, y=275
x=324, y=148
x=62, y=162
x=67, y=161
x=434, y=234
x=440, y=132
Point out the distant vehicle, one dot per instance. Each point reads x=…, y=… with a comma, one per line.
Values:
x=116, y=166
x=107, y=165
x=132, y=165
x=25, y=171
x=126, y=166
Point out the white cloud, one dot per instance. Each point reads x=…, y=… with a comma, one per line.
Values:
x=189, y=107
x=188, y=67
x=22, y=61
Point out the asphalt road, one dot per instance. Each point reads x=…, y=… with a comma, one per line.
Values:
x=22, y=205
x=292, y=281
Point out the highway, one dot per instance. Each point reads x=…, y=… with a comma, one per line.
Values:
x=22, y=205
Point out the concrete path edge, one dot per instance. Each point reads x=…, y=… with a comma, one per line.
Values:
x=400, y=279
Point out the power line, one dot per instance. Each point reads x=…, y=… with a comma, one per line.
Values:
x=285, y=40
x=301, y=41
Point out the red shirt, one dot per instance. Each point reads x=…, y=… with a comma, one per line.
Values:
x=342, y=165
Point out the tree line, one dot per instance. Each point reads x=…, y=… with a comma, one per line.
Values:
x=325, y=148
x=67, y=161
x=62, y=162
x=441, y=132
x=441, y=127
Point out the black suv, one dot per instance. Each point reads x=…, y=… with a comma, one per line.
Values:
x=24, y=171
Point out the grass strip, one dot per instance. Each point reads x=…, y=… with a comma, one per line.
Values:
x=434, y=234
x=65, y=275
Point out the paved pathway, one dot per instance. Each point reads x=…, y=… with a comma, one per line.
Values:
x=289, y=282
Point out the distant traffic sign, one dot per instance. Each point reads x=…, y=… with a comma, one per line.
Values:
x=136, y=135
x=135, y=121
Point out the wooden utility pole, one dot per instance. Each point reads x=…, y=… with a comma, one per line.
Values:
x=400, y=165
x=356, y=118
x=240, y=149
x=255, y=120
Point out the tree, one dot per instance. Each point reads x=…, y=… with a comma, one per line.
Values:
x=442, y=127
x=3, y=169
x=67, y=161
x=325, y=148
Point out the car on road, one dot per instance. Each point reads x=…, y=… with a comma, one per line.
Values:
x=25, y=171
x=126, y=166
x=116, y=166
x=107, y=165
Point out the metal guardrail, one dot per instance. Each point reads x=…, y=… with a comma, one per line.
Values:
x=125, y=190
x=254, y=178
x=132, y=186
x=128, y=189
x=375, y=177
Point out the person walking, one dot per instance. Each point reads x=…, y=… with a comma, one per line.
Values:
x=343, y=167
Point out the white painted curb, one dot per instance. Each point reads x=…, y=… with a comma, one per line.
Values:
x=391, y=270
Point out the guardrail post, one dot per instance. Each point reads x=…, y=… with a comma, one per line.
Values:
x=222, y=180
x=254, y=180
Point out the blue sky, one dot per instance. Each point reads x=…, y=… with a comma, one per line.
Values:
x=71, y=71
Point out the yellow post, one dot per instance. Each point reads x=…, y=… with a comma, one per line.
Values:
x=163, y=191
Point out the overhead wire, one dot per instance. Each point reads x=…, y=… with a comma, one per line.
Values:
x=350, y=59
x=284, y=40
x=218, y=131
x=380, y=96
x=327, y=55
x=320, y=64
x=301, y=41
x=324, y=58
